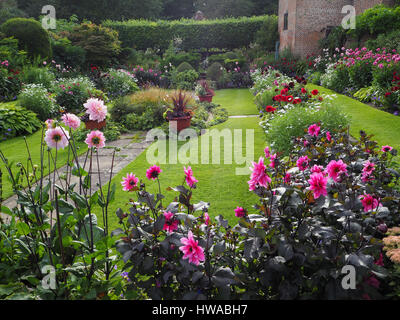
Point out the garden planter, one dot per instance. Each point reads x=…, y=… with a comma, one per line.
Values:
x=207, y=98
x=93, y=125
x=182, y=122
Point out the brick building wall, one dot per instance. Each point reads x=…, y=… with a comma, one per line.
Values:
x=308, y=21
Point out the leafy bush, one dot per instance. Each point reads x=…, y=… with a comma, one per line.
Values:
x=177, y=58
x=37, y=75
x=215, y=71
x=118, y=83
x=152, y=117
x=388, y=40
x=336, y=78
x=184, y=80
x=31, y=36
x=147, y=77
x=101, y=44
x=36, y=98
x=67, y=54
x=360, y=75
x=294, y=122
x=10, y=84
x=195, y=34
x=72, y=93
x=9, y=52
x=377, y=20
x=315, y=78
x=16, y=121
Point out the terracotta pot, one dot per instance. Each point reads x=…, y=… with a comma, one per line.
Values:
x=181, y=123
x=207, y=98
x=93, y=125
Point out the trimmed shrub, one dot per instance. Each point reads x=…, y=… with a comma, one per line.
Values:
x=184, y=66
x=31, y=36
x=215, y=71
x=195, y=34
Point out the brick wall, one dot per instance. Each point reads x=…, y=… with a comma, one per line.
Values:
x=309, y=19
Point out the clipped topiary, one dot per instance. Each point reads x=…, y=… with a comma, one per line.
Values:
x=32, y=37
x=184, y=66
x=215, y=71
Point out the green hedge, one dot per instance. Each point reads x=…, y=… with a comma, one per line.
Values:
x=220, y=33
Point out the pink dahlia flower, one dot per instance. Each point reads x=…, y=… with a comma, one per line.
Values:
x=387, y=148
x=96, y=139
x=335, y=169
x=129, y=182
x=57, y=138
x=369, y=202
x=288, y=178
x=153, y=172
x=302, y=163
x=318, y=184
x=314, y=130
x=317, y=169
x=258, y=175
x=240, y=212
x=369, y=167
x=328, y=136
x=267, y=152
x=96, y=109
x=171, y=224
x=192, y=250
x=71, y=121
x=190, y=179
x=206, y=218
x=273, y=160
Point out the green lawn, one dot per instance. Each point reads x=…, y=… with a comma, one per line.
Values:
x=236, y=101
x=218, y=184
x=384, y=126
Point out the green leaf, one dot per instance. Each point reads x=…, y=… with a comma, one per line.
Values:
x=23, y=228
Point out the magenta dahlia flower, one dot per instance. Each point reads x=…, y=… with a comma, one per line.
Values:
x=369, y=167
x=302, y=163
x=318, y=184
x=192, y=250
x=57, y=138
x=387, y=148
x=96, y=109
x=335, y=169
x=71, y=121
x=369, y=202
x=129, y=182
x=240, y=212
x=190, y=179
x=328, y=136
x=96, y=139
x=171, y=224
x=314, y=130
x=258, y=175
x=153, y=172
x=317, y=169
